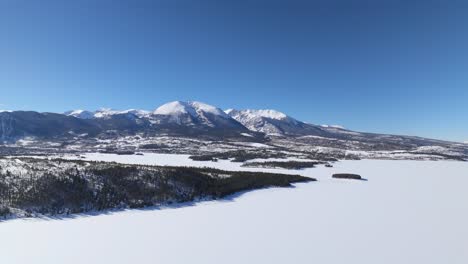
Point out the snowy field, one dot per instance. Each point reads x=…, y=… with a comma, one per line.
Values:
x=408, y=212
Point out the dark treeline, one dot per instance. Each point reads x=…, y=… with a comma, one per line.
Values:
x=291, y=164
x=64, y=187
x=243, y=156
x=239, y=155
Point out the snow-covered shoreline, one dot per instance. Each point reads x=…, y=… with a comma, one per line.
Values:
x=408, y=212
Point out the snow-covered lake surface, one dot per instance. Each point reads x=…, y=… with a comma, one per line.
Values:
x=408, y=212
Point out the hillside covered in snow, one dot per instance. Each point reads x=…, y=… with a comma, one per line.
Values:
x=198, y=128
x=30, y=187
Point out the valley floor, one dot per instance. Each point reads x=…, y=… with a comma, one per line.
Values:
x=407, y=212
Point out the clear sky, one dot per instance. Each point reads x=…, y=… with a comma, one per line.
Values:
x=382, y=66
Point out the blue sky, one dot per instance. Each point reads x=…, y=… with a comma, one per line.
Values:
x=382, y=66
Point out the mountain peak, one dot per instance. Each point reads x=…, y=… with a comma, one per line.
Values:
x=199, y=106
x=229, y=111
x=174, y=108
x=261, y=113
x=267, y=121
x=192, y=108
x=268, y=113
x=105, y=113
x=82, y=114
x=136, y=112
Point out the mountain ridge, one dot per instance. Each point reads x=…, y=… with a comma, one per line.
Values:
x=194, y=119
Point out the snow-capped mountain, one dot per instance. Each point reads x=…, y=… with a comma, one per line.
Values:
x=270, y=122
x=20, y=124
x=194, y=109
x=82, y=114
x=194, y=114
x=274, y=123
x=177, y=112
x=202, y=121
x=174, y=118
x=268, y=113
x=106, y=113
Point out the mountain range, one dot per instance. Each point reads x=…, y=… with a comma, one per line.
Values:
x=194, y=120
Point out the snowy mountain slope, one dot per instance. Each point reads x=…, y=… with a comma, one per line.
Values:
x=200, y=121
x=265, y=121
x=194, y=114
x=20, y=124
x=175, y=108
x=82, y=114
x=191, y=119
x=137, y=112
x=106, y=113
x=266, y=113
x=178, y=110
x=274, y=123
x=181, y=113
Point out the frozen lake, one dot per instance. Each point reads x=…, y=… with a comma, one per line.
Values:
x=408, y=212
